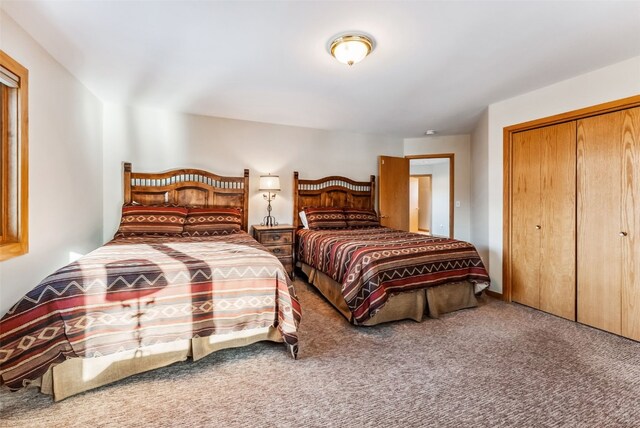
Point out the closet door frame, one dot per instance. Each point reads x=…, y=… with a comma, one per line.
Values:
x=508, y=132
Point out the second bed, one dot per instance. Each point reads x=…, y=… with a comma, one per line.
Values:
x=374, y=274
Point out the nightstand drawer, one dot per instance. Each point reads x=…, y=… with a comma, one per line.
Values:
x=288, y=264
x=276, y=237
x=279, y=241
x=280, y=250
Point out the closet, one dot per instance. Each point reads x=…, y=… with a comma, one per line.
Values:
x=572, y=230
x=543, y=218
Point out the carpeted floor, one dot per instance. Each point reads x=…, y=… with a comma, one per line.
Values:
x=496, y=365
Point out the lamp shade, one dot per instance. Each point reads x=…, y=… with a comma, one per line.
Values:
x=269, y=183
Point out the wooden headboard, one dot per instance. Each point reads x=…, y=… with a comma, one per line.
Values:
x=333, y=191
x=189, y=188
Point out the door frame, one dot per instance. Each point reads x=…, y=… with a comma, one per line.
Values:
x=452, y=158
x=508, y=132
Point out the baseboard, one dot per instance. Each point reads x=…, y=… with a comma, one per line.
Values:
x=494, y=294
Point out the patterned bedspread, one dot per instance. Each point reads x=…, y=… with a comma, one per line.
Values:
x=134, y=292
x=372, y=264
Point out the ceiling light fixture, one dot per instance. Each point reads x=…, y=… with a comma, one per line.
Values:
x=351, y=48
x=430, y=132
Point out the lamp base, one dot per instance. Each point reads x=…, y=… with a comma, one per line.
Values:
x=269, y=221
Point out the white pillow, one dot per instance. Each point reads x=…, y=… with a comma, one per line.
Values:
x=303, y=219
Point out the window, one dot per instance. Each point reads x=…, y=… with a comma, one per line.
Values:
x=14, y=236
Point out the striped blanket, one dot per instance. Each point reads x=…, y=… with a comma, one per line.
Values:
x=372, y=264
x=135, y=292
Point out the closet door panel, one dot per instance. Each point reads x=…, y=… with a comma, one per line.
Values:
x=631, y=223
x=558, y=220
x=525, y=218
x=599, y=243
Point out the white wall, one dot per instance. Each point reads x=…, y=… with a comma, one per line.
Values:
x=460, y=145
x=155, y=140
x=480, y=187
x=614, y=82
x=65, y=167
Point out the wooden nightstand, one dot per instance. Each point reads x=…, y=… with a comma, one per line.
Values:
x=278, y=240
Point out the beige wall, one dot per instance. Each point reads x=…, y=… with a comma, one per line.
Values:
x=460, y=145
x=156, y=140
x=607, y=84
x=65, y=167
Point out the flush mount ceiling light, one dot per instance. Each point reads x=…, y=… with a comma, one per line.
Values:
x=351, y=48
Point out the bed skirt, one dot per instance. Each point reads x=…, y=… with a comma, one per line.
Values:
x=78, y=375
x=432, y=301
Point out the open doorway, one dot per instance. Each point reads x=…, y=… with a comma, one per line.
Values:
x=420, y=199
x=431, y=194
x=394, y=199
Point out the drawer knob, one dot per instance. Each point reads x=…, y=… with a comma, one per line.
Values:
x=538, y=227
x=623, y=234
x=276, y=237
x=277, y=250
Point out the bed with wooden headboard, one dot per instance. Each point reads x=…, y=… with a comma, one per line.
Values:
x=332, y=191
x=144, y=301
x=364, y=272
x=189, y=188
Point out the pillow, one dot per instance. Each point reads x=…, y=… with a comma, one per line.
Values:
x=303, y=219
x=212, y=221
x=152, y=220
x=325, y=218
x=357, y=217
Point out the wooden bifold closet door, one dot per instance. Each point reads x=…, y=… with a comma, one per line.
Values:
x=543, y=213
x=609, y=222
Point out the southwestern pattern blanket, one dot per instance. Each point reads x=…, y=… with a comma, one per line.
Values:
x=136, y=291
x=372, y=264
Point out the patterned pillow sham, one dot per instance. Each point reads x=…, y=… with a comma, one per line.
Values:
x=325, y=218
x=151, y=220
x=212, y=221
x=357, y=217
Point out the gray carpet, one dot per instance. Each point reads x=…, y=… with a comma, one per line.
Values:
x=496, y=365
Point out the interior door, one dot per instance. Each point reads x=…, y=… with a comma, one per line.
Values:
x=413, y=204
x=394, y=192
x=600, y=246
x=525, y=218
x=558, y=221
x=631, y=224
x=424, y=202
x=609, y=222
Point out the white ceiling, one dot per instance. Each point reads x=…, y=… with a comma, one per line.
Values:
x=437, y=65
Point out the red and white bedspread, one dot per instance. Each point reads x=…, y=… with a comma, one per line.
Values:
x=372, y=264
x=135, y=292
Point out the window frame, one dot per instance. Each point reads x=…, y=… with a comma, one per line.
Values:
x=14, y=222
